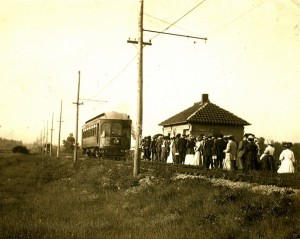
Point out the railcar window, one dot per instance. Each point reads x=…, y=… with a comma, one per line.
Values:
x=105, y=127
x=116, y=129
x=126, y=132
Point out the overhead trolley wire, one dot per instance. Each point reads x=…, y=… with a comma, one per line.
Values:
x=160, y=32
x=212, y=32
x=184, y=29
x=174, y=34
x=235, y=19
x=115, y=77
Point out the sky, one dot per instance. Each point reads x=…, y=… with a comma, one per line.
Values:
x=249, y=65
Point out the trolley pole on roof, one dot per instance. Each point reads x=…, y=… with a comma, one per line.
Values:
x=77, y=113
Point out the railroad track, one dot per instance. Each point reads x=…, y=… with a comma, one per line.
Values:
x=255, y=176
x=259, y=177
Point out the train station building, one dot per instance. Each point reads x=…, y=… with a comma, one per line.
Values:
x=205, y=118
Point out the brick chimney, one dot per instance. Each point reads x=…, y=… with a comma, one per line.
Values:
x=205, y=98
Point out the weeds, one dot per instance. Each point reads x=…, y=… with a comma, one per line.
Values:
x=46, y=198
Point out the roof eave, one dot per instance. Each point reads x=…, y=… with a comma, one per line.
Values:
x=219, y=123
x=174, y=123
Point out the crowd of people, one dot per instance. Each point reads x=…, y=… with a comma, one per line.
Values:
x=222, y=152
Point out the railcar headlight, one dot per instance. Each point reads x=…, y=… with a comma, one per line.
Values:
x=116, y=141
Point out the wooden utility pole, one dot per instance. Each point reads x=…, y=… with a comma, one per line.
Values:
x=59, y=131
x=51, y=135
x=47, y=139
x=42, y=143
x=44, y=140
x=77, y=113
x=139, y=122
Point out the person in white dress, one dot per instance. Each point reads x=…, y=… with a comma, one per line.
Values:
x=190, y=144
x=287, y=159
x=230, y=153
x=170, y=158
x=197, y=154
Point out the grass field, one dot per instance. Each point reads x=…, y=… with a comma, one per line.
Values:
x=43, y=197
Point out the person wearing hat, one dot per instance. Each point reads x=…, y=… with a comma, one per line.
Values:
x=165, y=149
x=251, y=162
x=256, y=141
x=220, y=146
x=190, y=145
x=230, y=153
x=182, y=148
x=172, y=150
x=242, y=153
x=146, y=147
x=201, y=159
x=287, y=159
x=207, y=151
x=197, y=148
x=267, y=158
x=175, y=148
x=153, y=148
x=158, y=145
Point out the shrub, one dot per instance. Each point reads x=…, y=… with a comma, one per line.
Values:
x=20, y=149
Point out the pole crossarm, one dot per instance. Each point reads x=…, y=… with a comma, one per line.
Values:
x=77, y=103
x=105, y=101
x=174, y=34
x=136, y=42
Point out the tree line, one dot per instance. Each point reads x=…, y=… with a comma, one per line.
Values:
x=8, y=144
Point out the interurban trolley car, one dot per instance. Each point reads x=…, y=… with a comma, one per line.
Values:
x=107, y=135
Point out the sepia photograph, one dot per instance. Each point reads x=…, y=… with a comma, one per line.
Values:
x=149, y=119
